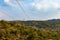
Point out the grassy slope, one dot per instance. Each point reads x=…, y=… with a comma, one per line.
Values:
x=19, y=31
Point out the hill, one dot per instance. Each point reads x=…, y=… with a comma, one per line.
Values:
x=53, y=24
x=22, y=30
x=54, y=20
x=29, y=30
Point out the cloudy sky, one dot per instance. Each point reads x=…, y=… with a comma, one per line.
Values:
x=29, y=9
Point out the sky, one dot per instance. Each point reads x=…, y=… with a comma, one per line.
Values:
x=29, y=9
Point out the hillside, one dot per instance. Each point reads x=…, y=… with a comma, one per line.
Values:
x=53, y=24
x=29, y=30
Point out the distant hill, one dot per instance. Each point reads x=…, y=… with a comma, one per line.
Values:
x=53, y=24
x=54, y=20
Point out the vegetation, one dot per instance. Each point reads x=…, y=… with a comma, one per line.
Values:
x=12, y=30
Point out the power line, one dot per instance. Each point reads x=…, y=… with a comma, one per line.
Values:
x=8, y=15
x=22, y=9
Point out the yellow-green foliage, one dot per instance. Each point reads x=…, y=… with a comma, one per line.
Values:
x=9, y=31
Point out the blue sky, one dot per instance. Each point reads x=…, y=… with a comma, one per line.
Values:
x=34, y=9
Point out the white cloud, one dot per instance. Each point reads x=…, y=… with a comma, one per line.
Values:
x=56, y=16
x=46, y=4
x=55, y=4
x=6, y=1
x=37, y=5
